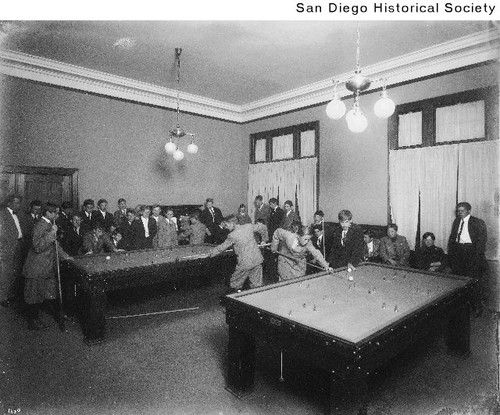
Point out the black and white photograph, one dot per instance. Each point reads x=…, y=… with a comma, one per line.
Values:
x=230, y=214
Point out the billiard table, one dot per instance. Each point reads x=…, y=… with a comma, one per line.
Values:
x=348, y=328
x=96, y=275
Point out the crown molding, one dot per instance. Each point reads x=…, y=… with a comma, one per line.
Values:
x=61, y=74
x=455, y=54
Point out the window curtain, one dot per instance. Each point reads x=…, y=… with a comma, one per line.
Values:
x=307, y=143
x=410, y=129
x=404, y=191
x=293, y=180
x=438, y=184
x=460, y=122
x=478, y=184
x=283, y=147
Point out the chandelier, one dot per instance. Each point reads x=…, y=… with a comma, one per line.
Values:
x=172, y=146
x=356, y=120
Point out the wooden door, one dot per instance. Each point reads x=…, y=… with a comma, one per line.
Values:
x=46, y=184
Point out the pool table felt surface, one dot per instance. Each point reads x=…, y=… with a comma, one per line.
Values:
x=353, y=310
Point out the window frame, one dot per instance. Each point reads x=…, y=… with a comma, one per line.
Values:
x=428, y=108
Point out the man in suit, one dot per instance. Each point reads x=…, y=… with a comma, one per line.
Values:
x=466, y=249
x=371, y=251
x=347, y=243
x=102, y=217
x=143, y=230
x=394, y=248
x=242, y=239
x=35, y=211
x=12, y=234
x=211, y=216
x=72, y=241
x=275, y=216
x=64, y=219
x=319, y=240
x=40, y=269
x=261, y=210
x=87, y=215
x=127, y=232
x=120, y=215
x=289, y=216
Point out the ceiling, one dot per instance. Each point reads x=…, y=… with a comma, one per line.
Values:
x=237, y=62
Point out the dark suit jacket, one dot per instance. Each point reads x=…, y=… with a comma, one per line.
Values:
x=211, y=222
x=105, y=222
x=72, y=242
x=352, y=250
x=139, y=240
x=207, y=219
x=127, y=232
x=477, y=232
x=274, y=221
x=219, y=235
x=286, y=222
x=319, y=245
x=86, y=224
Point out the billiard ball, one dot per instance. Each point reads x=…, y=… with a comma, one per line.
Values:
x=108, y=257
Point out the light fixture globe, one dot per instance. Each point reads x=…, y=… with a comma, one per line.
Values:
x=335, y=109
x=192, y=148
x=178, y=155
x=170, y=147
x=384, y=107
x=357, y=123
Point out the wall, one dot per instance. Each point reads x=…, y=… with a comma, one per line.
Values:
x=354, y=167
x=118, y=146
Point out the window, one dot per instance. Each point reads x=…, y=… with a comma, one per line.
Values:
x=294, y=142
x=446, y=120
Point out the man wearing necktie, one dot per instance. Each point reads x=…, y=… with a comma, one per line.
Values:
x=347, y=243
x=211, y=217
x=11, y=249
x=466, y=249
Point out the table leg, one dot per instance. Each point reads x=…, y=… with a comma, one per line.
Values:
x=94, y=321
x=348, y=394
x=241, y=355
x=458, y=335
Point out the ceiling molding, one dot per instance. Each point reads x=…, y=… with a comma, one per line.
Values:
x=462, y=52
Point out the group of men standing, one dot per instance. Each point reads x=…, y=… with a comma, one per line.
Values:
x=346, y=245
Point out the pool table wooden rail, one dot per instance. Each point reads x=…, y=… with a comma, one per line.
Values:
x=348, y=364
x=92, y=283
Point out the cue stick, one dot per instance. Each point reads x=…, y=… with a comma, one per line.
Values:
x=155, y=313
x=62, y=325
x=299, y=260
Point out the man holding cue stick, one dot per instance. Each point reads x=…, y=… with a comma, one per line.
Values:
x=41, y=270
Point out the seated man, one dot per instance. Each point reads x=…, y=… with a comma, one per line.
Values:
x=72, y=241
x=372, y=247
x=394, y=248
x=293, y=248
x=429, y=256
x=241, y=238
x=97, y=241
x=347, y=243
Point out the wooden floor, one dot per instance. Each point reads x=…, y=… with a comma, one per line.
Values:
x=175, y=364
